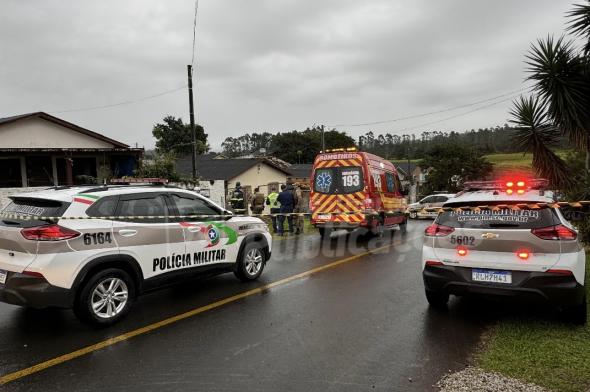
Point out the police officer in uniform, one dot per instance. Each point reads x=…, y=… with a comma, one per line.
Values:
x=237, y=200
x=257, y=205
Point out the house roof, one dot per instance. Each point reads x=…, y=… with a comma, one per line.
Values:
x=301, y=170
x=210, y=168
x=406, y=168
x=63, y=123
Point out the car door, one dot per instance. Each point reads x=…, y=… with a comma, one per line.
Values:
x=211, y=240
x=145, y=232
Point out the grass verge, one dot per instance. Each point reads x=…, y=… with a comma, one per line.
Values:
x=548, y=353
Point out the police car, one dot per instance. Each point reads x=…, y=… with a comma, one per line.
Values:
x=130, y=239
x=502, y=251
x=420, y=209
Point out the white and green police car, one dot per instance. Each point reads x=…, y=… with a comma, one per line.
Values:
x=130, y=239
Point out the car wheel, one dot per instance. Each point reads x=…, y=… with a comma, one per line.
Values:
x=324, y=232
x=251, y=263
x=106, y=297
x=413, y=215
x=579, y=313
x=437, y=299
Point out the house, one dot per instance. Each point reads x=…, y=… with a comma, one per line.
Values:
x=300, y=173
x=412, y=178
x=40, y=150
x=250, y=172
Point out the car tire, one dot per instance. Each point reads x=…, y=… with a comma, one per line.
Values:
x=251, y=263
x=437, y=299
x=106, y=297
x=413, y=215
x=578, y=314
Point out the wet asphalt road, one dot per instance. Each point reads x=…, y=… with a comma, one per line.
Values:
x=361, y=326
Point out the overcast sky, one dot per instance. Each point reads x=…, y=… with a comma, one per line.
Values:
x=269, y=65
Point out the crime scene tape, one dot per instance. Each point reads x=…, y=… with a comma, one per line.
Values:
x=495, y=207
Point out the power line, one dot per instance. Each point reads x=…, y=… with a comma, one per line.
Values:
x=408, y=129
x=433, y=112
x=128, y=102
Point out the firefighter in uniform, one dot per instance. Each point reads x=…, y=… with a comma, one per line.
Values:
x=237, y=200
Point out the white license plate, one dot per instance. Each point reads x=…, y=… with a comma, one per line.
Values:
x=325, y=216
x=3, y=277
x=491, y=276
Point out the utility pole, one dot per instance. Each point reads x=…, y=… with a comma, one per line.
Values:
x=192, y=116
x=323, y=140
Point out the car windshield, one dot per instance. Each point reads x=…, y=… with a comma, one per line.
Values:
x=339, y=180
x=499, y=219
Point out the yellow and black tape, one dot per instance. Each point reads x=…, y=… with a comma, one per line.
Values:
x=495, y=207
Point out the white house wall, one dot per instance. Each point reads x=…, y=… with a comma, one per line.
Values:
x=39, y=133
x=259, y=175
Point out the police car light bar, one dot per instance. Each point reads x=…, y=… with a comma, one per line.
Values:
x=509, y=185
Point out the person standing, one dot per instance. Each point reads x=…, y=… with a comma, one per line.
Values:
x=275, y=208
x=299, y=208
x=237, y=200
x=257, y=205
x=287, y=200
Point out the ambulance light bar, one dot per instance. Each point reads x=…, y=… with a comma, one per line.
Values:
x=347, y=149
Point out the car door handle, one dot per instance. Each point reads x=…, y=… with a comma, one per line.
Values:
x=127, y=233
x=194, y=229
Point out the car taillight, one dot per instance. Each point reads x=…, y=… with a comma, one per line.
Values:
x=559, y=232
x=49, y=233
x=462, y=251
x=433, y=262
x=523, y=254
x=435, y=230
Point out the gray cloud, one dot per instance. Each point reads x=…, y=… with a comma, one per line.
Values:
x=267, y=64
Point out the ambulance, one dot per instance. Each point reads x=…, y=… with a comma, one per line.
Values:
x=351, y=189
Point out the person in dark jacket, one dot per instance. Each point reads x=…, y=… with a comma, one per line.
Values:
x=287, y=200
x=237, y=200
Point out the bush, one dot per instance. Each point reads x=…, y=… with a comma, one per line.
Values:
x=579, y=191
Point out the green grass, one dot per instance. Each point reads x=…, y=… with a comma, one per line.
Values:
x=307, y=227
x=516, y=160
x=548, y=353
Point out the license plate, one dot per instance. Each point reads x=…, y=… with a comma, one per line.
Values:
x=325, y=216
x=3, y=275
x=491, y=276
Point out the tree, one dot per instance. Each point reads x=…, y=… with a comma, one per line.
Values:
x=449, y=166
x=561, y=74
x=175, y=136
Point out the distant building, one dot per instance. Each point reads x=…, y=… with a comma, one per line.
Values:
x=38, y=150
x=250, y=172
x=300, y=173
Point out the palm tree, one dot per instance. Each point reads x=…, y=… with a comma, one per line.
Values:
x=536, y=133
x=561, y=76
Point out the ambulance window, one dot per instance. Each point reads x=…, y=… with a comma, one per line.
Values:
x=390, y=179
x=351, y=179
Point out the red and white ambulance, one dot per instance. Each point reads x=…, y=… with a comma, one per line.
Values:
x=352, y=189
